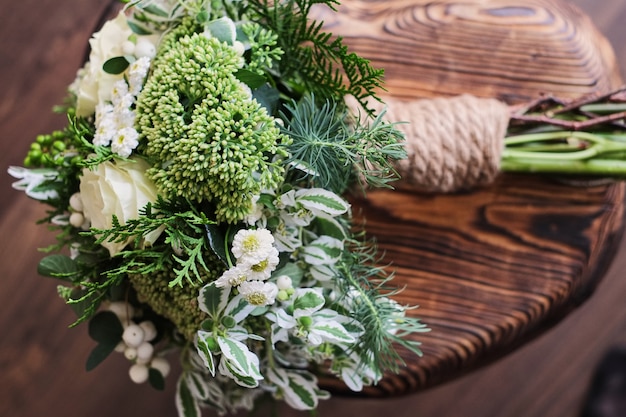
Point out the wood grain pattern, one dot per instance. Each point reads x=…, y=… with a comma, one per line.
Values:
x=491, y=269
x=507, y=49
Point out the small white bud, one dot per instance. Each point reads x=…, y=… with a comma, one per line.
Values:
x=130, y=353
x=138, y=373
x=133, y=335
x=283, y=282
x=161, y=365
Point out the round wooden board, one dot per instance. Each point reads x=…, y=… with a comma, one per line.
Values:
x=493, y=268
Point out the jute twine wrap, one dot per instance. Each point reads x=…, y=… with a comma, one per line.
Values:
x=452, y=144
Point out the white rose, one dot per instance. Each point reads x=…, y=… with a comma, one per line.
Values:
x=94, y=85
x=119, y=189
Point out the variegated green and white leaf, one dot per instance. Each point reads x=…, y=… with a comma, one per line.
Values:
x=333, y=332
x=204, y=350
x=213, y=300
x=300, y=393
x=186, y=404
x=352, y=379
x=323, y=251
x=320, y=200
x=282, y=318
x=306, y=302
x=239, y=308
x=226, y=368
x=239, y=357
x=197, y=385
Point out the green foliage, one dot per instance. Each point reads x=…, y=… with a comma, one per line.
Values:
x=313, y=61
x=104, y=328
x=335, y=152
x=385, y=328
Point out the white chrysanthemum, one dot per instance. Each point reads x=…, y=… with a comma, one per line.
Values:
x=262, y=270
x=232, y=277
x=125, y=118
x=137, y=72
x=124, y=141
x=259, y=293
x=252, y=246
x=120, y=96
x=106, y=125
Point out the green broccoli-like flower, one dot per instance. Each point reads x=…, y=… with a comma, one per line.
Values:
x=179, y=304
x=207, y=138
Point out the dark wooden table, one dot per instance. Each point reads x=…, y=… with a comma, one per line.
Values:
x=490, y=269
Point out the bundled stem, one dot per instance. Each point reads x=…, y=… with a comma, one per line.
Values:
x=586, y=136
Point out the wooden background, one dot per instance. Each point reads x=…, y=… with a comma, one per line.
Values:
x=42, y=361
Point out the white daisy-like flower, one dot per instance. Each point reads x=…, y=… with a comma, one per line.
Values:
x=137, y=72
x=120, y=96
x=251, y=246
x=106, y=125
x=262, y=270
x=124, y=141
x=259, y=293
x=232, y=277
x=125, y=118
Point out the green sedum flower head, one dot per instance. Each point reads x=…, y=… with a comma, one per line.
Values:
x=209, y=140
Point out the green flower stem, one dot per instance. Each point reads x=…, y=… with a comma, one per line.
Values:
x=574, y=153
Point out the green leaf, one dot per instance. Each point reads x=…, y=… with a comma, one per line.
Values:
x=242, y=380
x=156, y=380
x=186, y=404
x=99, y=354
x=157, y=11
x=300, y=393
x=203, y=345
x=213, y=300
x=329, y=226
x=117, y=65
x=239, y=308
x=216, y=241
x=250, y=78
x=57, y=266
x=332, y=332
x=237, y=354
x=318, y=199
x=139, y=30
x=105, y=328
x=323, y=251
x=223, y=29
x=307, y=302
x=198, y=386
x=267, y=97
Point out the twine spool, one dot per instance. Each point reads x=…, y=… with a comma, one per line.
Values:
x=452, y=144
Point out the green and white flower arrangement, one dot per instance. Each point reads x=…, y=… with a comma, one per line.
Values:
x=198, y=195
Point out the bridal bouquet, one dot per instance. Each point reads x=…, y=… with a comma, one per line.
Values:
x=197, y=193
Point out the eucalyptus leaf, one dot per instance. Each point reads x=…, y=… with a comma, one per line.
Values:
x=105, y=328
x=117, y=65
x=57, y=266
x=223, y=29
x=98, y=355
x=267, y=97
x=250, y=78
x=156, y=380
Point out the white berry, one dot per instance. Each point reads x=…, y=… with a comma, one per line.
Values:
x=77, y=219
x=122, y=310
x=145, y=351
x=145, y=48
x=133, y=335
x=161, y=365
x=149, y=330
x=120, y=347
x=283, y=282
x=128, y=48
x=130, y=353
x=76, y=202
x=138, y=373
